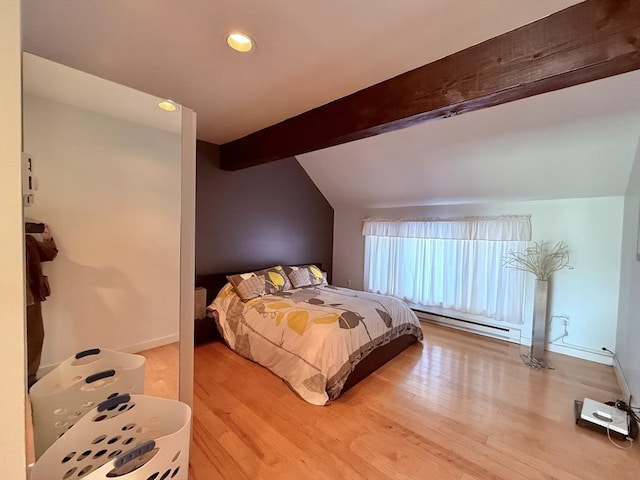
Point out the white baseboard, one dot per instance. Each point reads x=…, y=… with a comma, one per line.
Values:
x=574, y=351
x=622, y=380
x=149, y=344
x=513, y=334
x=504, y=332
x=135, y=348
x=578, y=352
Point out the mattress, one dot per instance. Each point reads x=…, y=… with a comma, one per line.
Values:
x=312, y=337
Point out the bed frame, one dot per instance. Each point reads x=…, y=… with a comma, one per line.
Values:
x=381, y=355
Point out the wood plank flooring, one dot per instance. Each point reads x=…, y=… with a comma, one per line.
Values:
x=457, y=407
x=161, y=371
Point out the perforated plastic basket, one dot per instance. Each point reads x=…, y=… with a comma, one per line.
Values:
x=76, y=386
x=129, y=437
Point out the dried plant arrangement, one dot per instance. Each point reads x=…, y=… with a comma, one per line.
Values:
x=539, y=259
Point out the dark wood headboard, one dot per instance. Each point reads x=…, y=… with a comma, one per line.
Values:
x=215, y=281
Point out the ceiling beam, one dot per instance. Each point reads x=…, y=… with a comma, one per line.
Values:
x=588, y=41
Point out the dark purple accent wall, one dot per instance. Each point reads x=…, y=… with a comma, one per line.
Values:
x=259, y=216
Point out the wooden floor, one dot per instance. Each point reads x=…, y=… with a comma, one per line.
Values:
x=458, y=406
x=161, y=371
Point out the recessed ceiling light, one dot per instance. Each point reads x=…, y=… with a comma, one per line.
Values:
x=240, y=42
x=168, y=105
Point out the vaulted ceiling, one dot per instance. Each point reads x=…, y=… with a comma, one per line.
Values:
x=572, y=143
x=309, y=53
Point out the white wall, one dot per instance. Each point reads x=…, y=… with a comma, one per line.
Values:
x=110, y=190
x=12, y=358
x=628, y=339
x=592, y=228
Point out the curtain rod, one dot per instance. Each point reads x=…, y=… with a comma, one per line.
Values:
x=448, y=219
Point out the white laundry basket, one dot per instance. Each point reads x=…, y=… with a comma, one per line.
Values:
x=76, y=386
x=129, y=437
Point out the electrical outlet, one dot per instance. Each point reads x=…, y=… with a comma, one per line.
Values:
x=348, y=282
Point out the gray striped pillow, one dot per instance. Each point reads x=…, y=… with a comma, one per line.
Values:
x=248, y=285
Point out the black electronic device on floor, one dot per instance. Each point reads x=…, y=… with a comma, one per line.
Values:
x=612, y=418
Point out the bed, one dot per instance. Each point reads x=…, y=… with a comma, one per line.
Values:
x=320, y=339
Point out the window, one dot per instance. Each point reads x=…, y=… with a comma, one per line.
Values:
x=449, y=263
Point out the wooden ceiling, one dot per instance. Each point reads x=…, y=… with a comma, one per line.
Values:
x=588, y=41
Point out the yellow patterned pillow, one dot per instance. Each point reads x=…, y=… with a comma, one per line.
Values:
x=275, y=278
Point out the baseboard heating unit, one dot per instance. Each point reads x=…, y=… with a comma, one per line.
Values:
x=501, y=332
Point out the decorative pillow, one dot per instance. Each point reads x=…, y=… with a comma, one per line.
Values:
x=304, y=275
x=248, y=285
x=276, y=280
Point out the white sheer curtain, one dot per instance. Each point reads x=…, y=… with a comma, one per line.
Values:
x=449, y=263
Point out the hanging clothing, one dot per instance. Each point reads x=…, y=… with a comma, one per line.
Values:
x=37, y=291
